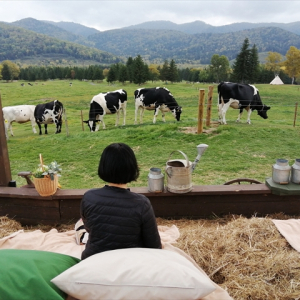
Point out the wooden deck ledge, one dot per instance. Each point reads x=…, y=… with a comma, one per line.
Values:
x=28, y=207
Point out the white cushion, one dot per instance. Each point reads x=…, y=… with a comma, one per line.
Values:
x=135, y=273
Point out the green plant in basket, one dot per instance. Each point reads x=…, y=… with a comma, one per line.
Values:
x=47, y=170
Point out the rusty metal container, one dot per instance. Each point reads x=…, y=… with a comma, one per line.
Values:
x=295, y=175
x=281, y=171
x=179, y=174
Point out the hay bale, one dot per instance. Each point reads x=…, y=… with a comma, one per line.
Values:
x=247, y=257
x=8, y=226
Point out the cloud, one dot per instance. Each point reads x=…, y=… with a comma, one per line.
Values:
x=105, y=15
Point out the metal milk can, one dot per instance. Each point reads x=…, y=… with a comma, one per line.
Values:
x=295, y=176
x=179, y=171
x=155, y=180
x=281, y=171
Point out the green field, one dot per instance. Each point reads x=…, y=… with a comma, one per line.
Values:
x=235, y=150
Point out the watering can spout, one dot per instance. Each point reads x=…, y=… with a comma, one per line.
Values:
x=201, y=149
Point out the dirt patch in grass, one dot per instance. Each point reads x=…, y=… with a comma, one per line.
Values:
x=194, y=130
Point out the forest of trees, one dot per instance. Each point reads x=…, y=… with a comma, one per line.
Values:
x=246, y=69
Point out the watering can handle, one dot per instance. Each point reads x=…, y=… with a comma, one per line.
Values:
x=185, y=156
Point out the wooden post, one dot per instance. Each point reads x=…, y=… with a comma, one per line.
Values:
x=200, y=111
x=5, y=172
x=295, y=116
x=209, y=104
x=66, y=122
x=82, y=125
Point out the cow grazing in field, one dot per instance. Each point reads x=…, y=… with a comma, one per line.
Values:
x=107, y=103
x=159, y=98
x=239, y=96
x=49, y=113
x=30, y=84
x=19, y=114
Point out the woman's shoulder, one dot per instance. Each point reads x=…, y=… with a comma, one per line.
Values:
x=93, y=191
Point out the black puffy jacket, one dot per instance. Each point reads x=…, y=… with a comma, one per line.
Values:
x=117, y=218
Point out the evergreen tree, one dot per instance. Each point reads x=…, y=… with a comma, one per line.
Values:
x=129, y=67
x=164, y=72
x=98, y=73
x=139, y=70
x=122, y=74
x=79, y=73
x=185, y=74
x=31, y=74
x=43, y=74
x=89, y=73
x=146, y=72
x=173, y=71
x=254, y=65
x=195, y=76
x=111, y=75
x=6, y=73
x=240, y=72
x=51, y=73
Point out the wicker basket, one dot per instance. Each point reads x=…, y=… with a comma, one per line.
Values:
x=45, y=186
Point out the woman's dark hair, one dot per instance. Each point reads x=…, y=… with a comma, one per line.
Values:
x=118, y=164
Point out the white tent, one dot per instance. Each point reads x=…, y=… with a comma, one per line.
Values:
x=276, y=80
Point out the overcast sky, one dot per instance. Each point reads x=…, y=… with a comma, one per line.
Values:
x=105, y=15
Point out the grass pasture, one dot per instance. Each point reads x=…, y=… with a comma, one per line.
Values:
x=246, y=256
x=235, y=150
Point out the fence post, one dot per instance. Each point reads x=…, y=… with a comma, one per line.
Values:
x=295, y=116
x=66, y=122
x=5, y=174
x=201, y=110
x=209, y=104
x=82, y=126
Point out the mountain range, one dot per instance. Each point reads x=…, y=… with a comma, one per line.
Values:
x=190, y=43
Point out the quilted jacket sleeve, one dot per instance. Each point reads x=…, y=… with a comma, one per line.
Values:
x=150, y=235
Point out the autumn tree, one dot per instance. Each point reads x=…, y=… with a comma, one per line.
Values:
x=105, y=72
x=10, y=69
x=153, y=73
x=292, y=63
x=73, y=74
x=219, y=67
x=273, y=61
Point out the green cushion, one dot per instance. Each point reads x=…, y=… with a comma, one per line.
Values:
x=26, y=274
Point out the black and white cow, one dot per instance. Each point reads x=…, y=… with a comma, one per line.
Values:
x=159, y=98
x=18, y=114
x=239, y=96
x=107, y=103
x=49, y=113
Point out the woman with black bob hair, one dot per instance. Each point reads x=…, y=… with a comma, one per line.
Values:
x=115, y=217
x=118, y=164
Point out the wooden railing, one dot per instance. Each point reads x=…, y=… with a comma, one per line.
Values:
x=28, y=207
